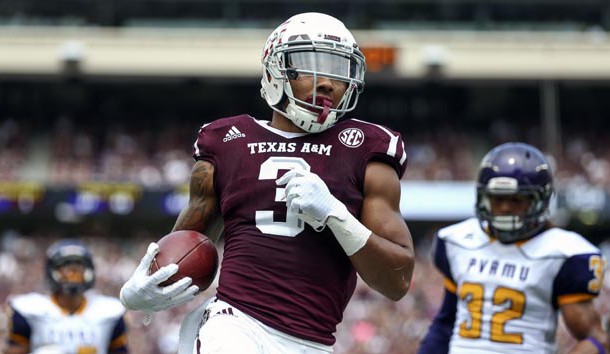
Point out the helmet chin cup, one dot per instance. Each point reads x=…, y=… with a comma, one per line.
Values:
x=507, y=228
x=308, y=120
x=72, y=288
x=509, y=232
x=507, y=223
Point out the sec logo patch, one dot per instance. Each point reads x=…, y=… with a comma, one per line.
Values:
x=351, y=137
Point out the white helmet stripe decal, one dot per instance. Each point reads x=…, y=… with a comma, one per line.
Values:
x=404, y=156
x=196, y=148
x=392, y=146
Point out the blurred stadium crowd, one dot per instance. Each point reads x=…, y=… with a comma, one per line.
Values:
x=372, y=325
x=69, y=154
x=446, y=131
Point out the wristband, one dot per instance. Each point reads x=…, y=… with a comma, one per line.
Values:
x=597, y=344
x=350, y=232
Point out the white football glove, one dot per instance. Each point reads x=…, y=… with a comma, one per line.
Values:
x=142, y=291
x=309, y=197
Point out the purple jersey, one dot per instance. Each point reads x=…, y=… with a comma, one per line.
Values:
x=276, y=268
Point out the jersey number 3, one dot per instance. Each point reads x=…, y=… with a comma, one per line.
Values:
x=264, y=218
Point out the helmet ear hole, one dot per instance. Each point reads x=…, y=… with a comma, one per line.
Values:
x=56, y=275
x=292, y=74
x=88, y=275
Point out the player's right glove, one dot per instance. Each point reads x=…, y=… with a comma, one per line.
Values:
x=143, y=292
x=308, y=196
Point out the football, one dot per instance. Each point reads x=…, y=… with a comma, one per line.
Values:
x=195, y=254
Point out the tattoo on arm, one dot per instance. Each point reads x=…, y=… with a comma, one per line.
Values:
x=202, y=207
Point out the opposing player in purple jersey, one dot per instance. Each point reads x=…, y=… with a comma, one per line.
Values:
x=509, y=272
x=308, y=201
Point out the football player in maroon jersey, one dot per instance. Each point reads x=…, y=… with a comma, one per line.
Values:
x=308, y=201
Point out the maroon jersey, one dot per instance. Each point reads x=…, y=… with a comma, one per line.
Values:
x=275, y=267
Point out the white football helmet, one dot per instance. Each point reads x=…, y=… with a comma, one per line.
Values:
x=318, y=45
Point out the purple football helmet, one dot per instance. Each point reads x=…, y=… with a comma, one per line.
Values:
x=69, y=251
x=514, y=169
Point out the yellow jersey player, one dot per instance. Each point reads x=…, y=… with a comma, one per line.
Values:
x=69, y=320
x=509, y=272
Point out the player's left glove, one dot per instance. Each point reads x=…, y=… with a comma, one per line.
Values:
x=309, y=197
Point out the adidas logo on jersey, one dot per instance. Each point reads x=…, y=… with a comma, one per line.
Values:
x=233, y=133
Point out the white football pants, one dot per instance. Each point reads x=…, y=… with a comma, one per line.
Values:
x=230, y=331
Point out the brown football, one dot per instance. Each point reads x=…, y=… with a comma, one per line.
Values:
x=195, y=254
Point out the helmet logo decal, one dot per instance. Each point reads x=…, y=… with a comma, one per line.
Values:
x=351, y=137
x=332, y=38
x=503, y=184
